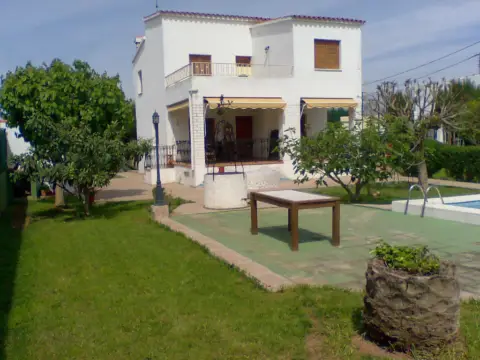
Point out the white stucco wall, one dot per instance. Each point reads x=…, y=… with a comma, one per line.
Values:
x=149, y=60
x=343, y=83
x=221, y=39
x=179, y=124
x=278, y=37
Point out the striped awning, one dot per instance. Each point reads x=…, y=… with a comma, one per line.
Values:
x=314, y=103
x=177, y=106
x=247, y=103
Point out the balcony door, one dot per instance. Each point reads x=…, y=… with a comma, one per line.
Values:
x=244, y=135
x=201, y=64
x=244, y=67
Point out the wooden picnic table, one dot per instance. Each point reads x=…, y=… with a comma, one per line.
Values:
x=295, y=201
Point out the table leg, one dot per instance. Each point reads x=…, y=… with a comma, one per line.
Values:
x=253, y=216
x=336, y=224
x=289, y=219
x=294, y=227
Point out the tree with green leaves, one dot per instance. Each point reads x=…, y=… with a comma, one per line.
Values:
x=351, y=158
x=423, y=107
x=76, y=122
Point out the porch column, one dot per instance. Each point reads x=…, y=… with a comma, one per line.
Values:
x=291, y=120
x=197, y=138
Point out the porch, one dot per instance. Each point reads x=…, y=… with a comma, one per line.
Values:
x=246, y=131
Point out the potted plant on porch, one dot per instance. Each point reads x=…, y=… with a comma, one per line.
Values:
x=412, y=299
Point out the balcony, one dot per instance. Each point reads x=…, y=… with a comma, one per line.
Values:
x=205, y=69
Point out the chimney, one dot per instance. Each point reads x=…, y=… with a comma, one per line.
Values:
x=138, y=40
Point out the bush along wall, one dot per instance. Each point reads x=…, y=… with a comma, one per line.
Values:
x=460, y=162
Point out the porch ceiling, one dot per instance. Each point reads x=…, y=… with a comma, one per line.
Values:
x=312, y=103
x=177, y=106
x=247, y=103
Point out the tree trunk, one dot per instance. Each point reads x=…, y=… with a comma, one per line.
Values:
x=86, y=201
x=358, y=190
x=423, y=174
x=59, y=197
x=422, y=167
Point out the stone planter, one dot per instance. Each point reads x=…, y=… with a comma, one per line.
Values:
x=225, y=191
x=411, y=311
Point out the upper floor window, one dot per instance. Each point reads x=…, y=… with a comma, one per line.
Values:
x=140, y=82
x=327, y=54
x=201, y=64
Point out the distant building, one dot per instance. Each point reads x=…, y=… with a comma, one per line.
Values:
x=15, y=145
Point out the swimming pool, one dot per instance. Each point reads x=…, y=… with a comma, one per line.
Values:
x=468, y=204
x=465, y=209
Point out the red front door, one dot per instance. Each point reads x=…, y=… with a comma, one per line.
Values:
x=244, y=135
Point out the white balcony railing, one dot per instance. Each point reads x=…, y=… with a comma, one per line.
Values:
x=229, y=70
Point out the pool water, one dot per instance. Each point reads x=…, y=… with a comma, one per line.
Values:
x=468, y=204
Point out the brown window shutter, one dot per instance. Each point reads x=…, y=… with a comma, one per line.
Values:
x=327, y=54
x=201, y=64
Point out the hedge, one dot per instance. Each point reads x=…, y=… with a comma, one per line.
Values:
x=460, y=162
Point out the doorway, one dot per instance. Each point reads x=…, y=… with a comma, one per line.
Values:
x=244, y=137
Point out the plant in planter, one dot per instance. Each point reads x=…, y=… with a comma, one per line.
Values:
x=412, y=299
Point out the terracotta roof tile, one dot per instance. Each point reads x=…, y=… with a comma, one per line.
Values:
x=189, y=13
x=253, y=18
x=326, y=18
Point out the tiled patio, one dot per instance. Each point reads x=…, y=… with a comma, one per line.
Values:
x=317, y=262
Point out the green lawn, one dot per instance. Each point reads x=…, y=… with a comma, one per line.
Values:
x=118, y=286
x=388, y=192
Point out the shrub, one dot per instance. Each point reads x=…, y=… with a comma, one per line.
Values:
x=461, y=162
x=433, y=155
x=414, y=260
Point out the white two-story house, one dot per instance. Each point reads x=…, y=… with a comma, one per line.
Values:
x=272, y=74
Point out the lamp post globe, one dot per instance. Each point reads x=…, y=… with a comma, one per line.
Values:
x=159, y=196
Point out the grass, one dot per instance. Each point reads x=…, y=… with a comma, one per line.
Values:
x=388, y=192
x=118, y=286
x=442, y=175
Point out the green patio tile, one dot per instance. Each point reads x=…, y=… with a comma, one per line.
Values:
x=317, y=260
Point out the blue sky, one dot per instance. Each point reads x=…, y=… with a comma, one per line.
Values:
x=398, y=34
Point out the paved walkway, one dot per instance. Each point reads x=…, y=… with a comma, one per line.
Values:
x=129, y=186
x=126, y=186
x=317, y=262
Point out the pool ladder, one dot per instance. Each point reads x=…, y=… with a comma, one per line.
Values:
x=425, y=197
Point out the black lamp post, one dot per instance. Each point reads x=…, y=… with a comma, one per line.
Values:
x=159, y=197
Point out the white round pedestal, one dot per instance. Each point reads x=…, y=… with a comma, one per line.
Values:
x=225, y=191
x=263, y=178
